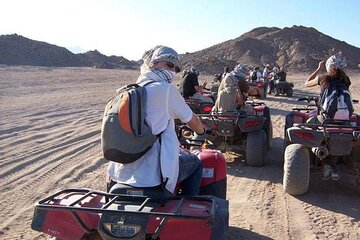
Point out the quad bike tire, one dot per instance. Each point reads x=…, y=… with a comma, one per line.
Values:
x=296, y=169
x=276, y=91
x=288, y=123
x=289, y=92
x=256, y=148
x=264, y=91
x=355, y=156
x=268, y=127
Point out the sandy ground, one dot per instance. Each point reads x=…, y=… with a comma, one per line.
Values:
x=50, y=140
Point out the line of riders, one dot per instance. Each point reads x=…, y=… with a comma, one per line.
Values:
x=232, y=88
x=165, y=104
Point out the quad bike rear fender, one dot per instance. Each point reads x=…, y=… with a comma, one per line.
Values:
x=305, y=136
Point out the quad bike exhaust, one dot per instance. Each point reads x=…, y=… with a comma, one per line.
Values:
x=320, y=152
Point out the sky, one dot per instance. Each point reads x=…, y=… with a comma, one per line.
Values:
x=129, y=27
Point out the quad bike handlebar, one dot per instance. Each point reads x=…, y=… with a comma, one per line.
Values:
x=187, y=142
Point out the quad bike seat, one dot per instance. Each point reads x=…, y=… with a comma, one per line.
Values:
x=153, y=192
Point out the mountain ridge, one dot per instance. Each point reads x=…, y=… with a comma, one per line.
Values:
x=295, y=48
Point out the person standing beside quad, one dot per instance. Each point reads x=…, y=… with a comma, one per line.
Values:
x=190, y=87
x=164, y=165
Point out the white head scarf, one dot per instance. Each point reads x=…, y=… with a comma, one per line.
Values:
x=335, y=61
x=241, y=70
x=159, y=54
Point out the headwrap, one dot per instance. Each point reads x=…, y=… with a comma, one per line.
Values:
x=335, y=61
x=241, y=70
x=159, y=54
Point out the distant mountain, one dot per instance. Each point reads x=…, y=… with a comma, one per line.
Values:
x=296, y=49
x=99, y=60
x=18, y=50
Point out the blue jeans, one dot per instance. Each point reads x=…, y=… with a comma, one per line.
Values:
x=190, y=172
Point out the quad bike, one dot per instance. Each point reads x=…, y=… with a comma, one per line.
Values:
x=252, y=133
x=278, y=87
x=260, y=85
x=314, y=144
x=140, y=213
x=199, y=107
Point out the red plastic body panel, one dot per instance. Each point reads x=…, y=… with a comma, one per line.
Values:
x=179, y=229
x=62, y=224
x=214, y=166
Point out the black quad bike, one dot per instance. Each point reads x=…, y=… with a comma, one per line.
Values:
x=140, y=213
x=282, y=87
x=311, y=144
x=252, y=133
x=279, y=85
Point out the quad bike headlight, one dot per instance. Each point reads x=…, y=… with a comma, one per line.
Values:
x=121, y=230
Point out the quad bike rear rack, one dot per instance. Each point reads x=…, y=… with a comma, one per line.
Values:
x=50, y=203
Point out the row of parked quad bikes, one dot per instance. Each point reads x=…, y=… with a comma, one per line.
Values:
x=147, y=213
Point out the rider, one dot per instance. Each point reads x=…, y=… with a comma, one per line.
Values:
x=233, y=90
x=226, y=71
x=335, y=74
x=255, y=77
x=164, y=164
x=190, y=87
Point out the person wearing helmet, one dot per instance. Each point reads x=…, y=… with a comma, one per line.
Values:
x=164, y=165
x=190, y=87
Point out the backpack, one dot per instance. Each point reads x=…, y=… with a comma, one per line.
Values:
x=336, y=102
x=125, y=135
x=254, y=75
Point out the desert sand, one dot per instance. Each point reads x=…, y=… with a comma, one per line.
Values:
x=50, y=140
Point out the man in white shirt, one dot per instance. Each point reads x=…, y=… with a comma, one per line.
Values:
x=164, y=163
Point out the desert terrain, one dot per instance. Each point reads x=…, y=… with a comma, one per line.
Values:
x=50, y=140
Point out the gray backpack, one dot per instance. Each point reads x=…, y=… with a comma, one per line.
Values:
x=125, y=135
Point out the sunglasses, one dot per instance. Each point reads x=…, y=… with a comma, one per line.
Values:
x=171, y=65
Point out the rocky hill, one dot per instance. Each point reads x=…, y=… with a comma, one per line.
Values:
x=18, y=50
x=297, y=49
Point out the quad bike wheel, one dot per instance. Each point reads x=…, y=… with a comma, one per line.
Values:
x=256, y=148
x=276, y=91
x=289, y=92
x=296, y=169
x=268, y=127
x=355, y=157
x=288, y=123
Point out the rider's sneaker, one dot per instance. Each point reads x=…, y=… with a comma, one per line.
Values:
x=335, y=175
x=326, y=172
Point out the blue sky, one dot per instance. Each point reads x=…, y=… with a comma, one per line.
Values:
x=129, y=27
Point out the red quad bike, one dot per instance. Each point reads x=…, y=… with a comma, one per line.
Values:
x=312, y=145
x=199, y=107
x=252, y=133
x=261, y=85
x=140, y=213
